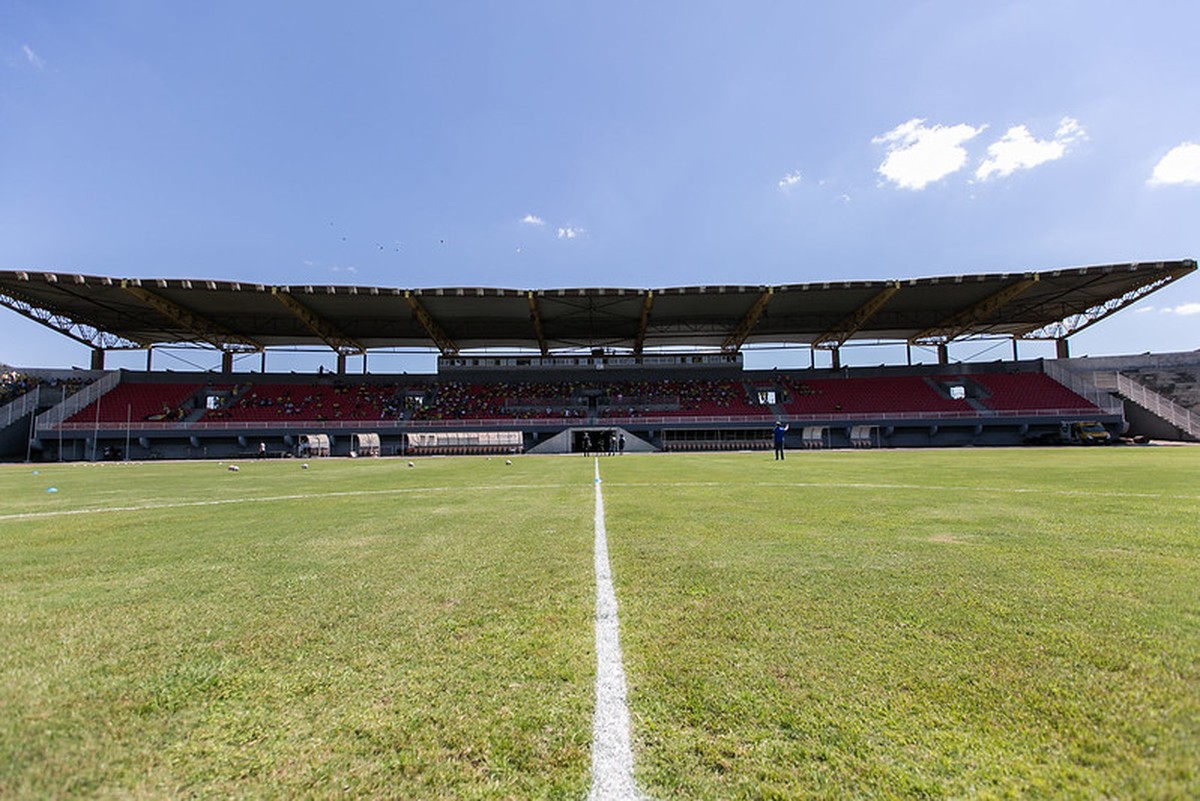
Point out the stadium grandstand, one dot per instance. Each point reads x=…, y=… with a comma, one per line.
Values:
x=538, y=370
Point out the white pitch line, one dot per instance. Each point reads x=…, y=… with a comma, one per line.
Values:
x=268, y=499
x=612, y=753
x=936, y=487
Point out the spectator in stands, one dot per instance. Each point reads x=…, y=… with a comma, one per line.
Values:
x=14, y=384
x=778, y=433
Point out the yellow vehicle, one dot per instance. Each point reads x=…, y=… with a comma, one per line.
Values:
x=1087, y=432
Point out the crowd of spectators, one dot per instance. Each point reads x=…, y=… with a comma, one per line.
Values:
x=697, y=396
x=14, y=384
x=513, y=400
x=522, y=400
x=336, y=402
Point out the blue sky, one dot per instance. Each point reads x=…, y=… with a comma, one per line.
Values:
x=543, y=144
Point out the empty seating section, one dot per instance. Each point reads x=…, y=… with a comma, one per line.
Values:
x=1027, y=391
x=1180, y=384
x=139, y=402
x=834, y=396
x=271, y=402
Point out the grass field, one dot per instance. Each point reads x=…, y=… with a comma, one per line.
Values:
x=940, y=624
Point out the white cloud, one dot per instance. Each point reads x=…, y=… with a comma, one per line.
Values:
x=32, y=57
x=1181, y=165
x=569, y=232
x=918, y=155
x=1184, y=309
x=1069, y=131
x=1143, y=309
x=790, y=180
x=1018, y=150
x=532, y=219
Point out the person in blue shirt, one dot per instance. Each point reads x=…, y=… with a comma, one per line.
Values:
x=778, y=432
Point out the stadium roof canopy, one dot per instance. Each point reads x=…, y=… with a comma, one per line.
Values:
x=113, y=313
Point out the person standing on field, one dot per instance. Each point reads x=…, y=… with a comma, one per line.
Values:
x=778, y=432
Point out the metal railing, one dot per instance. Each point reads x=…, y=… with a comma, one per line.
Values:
x=1158, y=405
x=1080, y=386
x=877, y=418
x=52, y=419
x=11, y=412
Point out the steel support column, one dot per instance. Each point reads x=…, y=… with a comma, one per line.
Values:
x=322, y=327
x=962, y=322
x=850, y=325
x=444, y=343
x=536, y=317
x=737, y=337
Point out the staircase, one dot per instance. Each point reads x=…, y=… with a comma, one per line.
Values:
x=1158, y=405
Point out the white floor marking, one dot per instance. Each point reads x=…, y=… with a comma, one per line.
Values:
x=938, y=487
x=269, y=498
x=612, y=753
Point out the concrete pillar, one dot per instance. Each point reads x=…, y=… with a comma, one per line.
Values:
x=943, y=353
x=908, y=352
x=226, y=362
x=836, y=355
x=97, y=358
x=263, y=369
x=1015, y=357
x=1062, y=349
x=149, y=353
x=341, y=364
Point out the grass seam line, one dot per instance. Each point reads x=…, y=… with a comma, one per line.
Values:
x=612, y=752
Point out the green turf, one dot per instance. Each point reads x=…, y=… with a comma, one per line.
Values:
x=425, y=643
x=942, y=624
x=938, y=624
